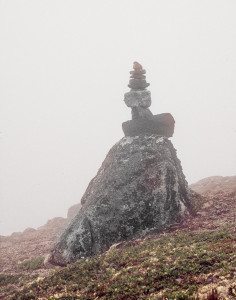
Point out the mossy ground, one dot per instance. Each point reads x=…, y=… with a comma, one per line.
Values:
x=172, y=266
x=31, y=264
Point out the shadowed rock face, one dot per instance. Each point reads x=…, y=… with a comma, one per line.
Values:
x=139, y=187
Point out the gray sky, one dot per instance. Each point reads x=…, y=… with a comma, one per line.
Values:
x=64, y=67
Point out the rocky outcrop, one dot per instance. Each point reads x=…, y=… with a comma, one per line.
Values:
x=140, y=187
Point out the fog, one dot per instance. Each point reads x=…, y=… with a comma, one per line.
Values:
x=64, y=67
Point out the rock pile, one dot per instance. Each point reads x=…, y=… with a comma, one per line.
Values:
x=140, y=186
x=139, y=99
x=137, y=78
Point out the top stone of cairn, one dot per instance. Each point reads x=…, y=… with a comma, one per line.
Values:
x=138, y=79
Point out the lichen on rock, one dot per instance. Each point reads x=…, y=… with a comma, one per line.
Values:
x=140, y=187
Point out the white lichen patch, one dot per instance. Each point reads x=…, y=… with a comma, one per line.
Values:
x=126, y=140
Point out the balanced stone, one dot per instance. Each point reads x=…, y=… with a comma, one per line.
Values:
x=162, y=125
x=138, y=98
x=134, y=72
x=138, y=84
x=138, y=76
x=141, y=113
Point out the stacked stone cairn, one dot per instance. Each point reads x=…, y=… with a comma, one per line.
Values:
x=139, y=99
x=140, y=187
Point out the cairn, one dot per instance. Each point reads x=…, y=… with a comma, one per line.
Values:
x=140, y=187
x=139, y=100
x=138, y=79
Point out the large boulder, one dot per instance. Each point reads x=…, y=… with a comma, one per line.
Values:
x=139, y=187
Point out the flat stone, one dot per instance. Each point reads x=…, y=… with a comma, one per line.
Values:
x=138, y=84
x=138, y=76
x=138, y=72
x=162, y=124
x=138, y=98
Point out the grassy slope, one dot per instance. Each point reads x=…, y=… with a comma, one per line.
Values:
x=172, y=266
x=185, y=263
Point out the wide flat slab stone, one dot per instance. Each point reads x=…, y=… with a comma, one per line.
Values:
x=162, y=124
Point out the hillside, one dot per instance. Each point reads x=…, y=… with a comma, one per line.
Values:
x=20, y=247
x=190, y=260
x=215, y=184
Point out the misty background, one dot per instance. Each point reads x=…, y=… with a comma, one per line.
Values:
x=64, y=67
